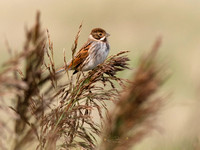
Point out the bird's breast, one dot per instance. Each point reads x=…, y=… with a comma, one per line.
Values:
x=101, y=53
x=97, y=55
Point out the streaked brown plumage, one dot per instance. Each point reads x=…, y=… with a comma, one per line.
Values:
x=92, y=53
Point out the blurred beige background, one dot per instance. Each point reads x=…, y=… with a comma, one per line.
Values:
x=133, y=25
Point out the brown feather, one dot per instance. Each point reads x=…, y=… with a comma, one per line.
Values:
x=77, y=62
x=80, y=57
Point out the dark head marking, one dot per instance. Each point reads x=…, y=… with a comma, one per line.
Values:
x=98, y=33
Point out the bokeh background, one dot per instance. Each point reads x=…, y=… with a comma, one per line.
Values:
x=134, y=26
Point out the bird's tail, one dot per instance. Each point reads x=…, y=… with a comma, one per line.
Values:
x=60, y=70
x=64, y=68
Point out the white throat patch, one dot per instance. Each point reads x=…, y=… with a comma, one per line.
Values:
x=103, y=38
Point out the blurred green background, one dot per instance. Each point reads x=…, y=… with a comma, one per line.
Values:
x=134, y=26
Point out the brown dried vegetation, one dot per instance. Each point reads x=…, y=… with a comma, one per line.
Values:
x=49, y=115
x=134, y=114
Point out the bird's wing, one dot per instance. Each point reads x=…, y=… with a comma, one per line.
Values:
x=78, y=59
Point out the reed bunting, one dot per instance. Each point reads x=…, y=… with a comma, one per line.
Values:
x=92, y=53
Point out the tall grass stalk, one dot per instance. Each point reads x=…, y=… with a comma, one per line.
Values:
x=56, y=111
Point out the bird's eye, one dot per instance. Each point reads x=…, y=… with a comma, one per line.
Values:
x=100, y=34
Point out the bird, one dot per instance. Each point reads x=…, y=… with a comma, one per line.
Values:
x=91, y=54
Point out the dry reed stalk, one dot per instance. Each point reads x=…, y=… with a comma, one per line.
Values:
x=22, y=74
x=133, y=116
x=73, y=117
x=48, y=114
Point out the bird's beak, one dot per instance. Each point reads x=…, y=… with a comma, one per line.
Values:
x=107, y=34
